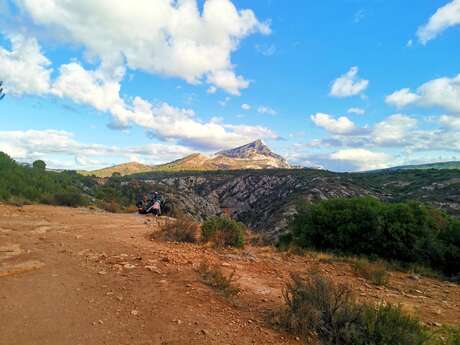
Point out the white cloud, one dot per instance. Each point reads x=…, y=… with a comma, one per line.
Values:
x=266, y=110
x=444, y=18
x=357, y=111
x=349, y=84
x=402, y=98
x=24, y=69
x=100, y=89
x=49, y=144
x=394, y=130
x=245, y=106
x=171, y=38
x=450, y=122
x=441, y=92
x=341, y=125
x=362, y=159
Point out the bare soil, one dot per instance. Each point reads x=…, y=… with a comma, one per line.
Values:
x=81, y=276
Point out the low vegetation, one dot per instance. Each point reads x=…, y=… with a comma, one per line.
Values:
x=24, y=184
x=375, y=272
x=215, y=278
x=409, y=233
x=183, y=229
x=315, y=307
x=223, y=232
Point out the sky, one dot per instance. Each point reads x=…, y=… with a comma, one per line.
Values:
x=344, y=85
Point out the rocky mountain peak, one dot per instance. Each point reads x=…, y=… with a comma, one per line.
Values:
x=249, y=150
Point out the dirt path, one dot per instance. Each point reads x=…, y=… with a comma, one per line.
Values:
x=77, y=276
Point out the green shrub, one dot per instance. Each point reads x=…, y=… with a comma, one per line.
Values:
x=387, y=324
x=405, y=232
x=223, y=231
x=315, y=306
x=70, y=199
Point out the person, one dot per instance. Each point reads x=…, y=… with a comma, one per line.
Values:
x=156, y=208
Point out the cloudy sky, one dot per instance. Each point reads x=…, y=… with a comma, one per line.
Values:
x=345, y=85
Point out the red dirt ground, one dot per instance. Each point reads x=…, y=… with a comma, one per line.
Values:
x=80, y=276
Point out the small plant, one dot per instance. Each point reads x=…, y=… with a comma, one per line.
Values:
x=375, y=272
x=223, y=232
x=215, y=278
x=182, y=229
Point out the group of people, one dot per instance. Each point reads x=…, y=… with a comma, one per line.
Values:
x=150, y=203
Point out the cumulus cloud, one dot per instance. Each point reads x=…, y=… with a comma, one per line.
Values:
x=444, y=18
x=246, y=106
x=442, y=92
x=394, y=130
x=46, y=144
x=349, y=84
x=350, y=159
x=172, y=38
x=362, y=159
x=24, y=69
x=266, y=110
x=100, y=88
x=402, y=98
x=342, y=125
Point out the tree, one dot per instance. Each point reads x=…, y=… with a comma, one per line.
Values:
x=39, y=164
x=2, y=93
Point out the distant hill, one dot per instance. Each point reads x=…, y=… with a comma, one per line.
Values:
x=255, y=155
x=123, y=169
x=438, y=166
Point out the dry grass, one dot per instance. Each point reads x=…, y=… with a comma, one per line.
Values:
x=215, y=278
x=375, y=272
x=183, y=229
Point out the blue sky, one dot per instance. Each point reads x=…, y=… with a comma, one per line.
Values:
x=345, y=85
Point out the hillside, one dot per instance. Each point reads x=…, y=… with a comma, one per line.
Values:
x=265, y=199
x=255, y=155
x=122, y=169
x=437, y=166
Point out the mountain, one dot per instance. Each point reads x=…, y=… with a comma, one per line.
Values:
x=437, y=166
x=255, y=155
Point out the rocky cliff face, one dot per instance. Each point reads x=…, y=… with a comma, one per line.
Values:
x=265, y=200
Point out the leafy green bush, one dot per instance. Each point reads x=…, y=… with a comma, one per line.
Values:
x=223, y=231
x=70, y=199
x=315, y=306
x=405, y=232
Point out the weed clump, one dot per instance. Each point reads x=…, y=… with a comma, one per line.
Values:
x=183, y=229
x=375, y=272
x=215, y=278
x=223, y=232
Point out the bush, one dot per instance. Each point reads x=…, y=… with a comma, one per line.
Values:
x=215, y=278
x=375, y=272
x=386, y=324
x=183, y=229
x=223, y=231
x=70, y=199
x=315, y=306
x=406, y=232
